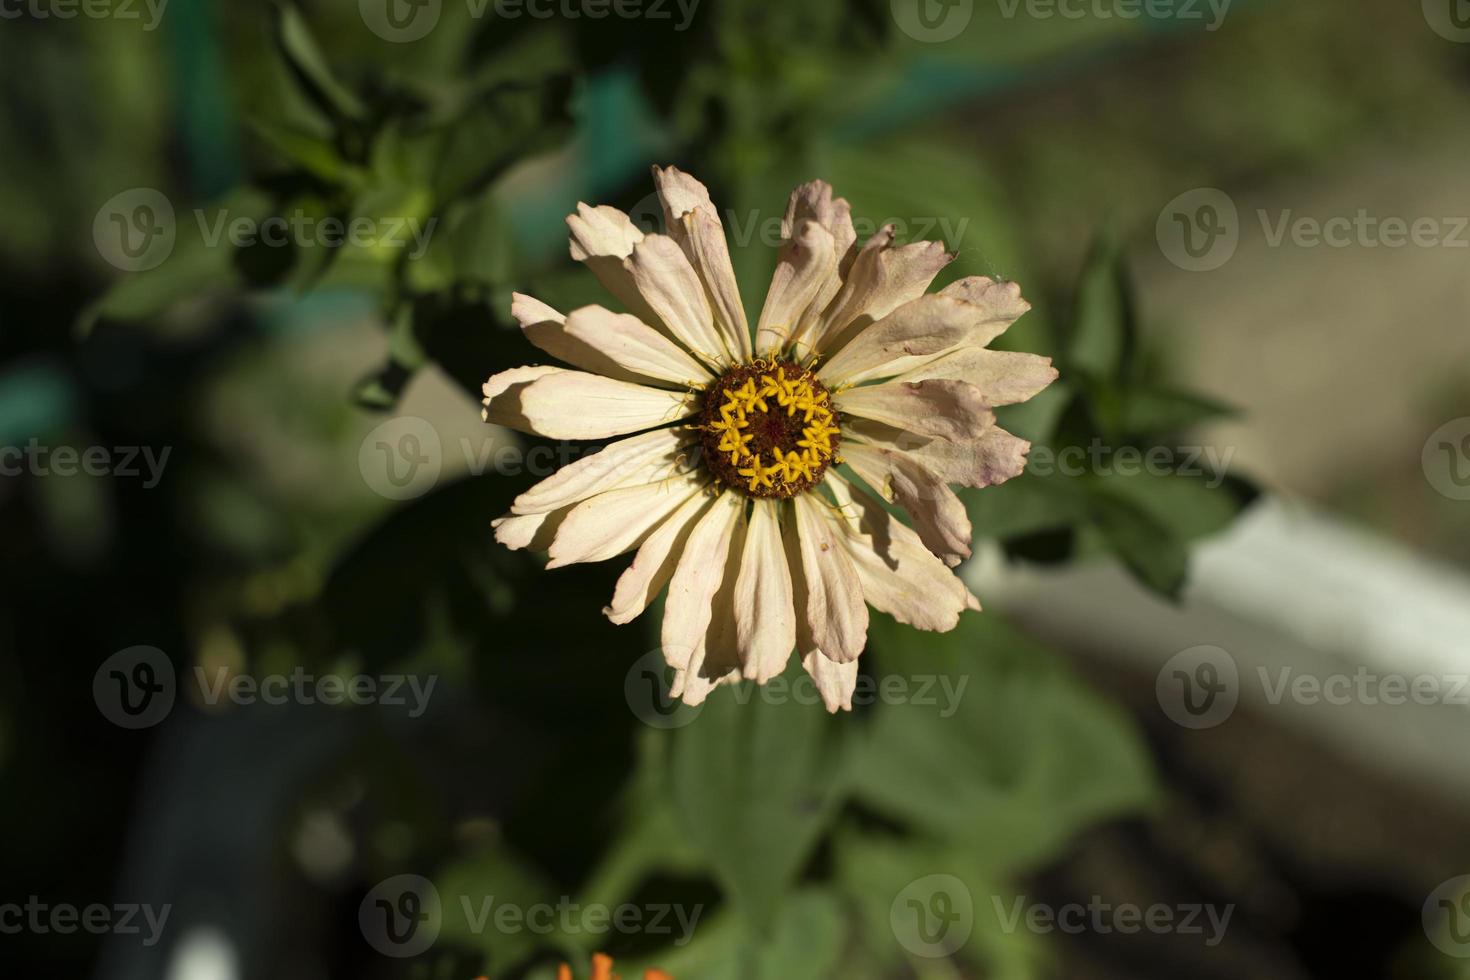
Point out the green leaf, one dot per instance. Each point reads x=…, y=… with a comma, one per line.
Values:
x=1008, y=758
x=1151, y=550
x=754, y=785
x=1105, y=331
x=1148, y=410
x=309, y=65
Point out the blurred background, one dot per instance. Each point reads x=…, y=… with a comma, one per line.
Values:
x=277, y=705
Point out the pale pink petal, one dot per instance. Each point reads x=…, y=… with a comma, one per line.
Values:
x=672, y=289
x=833, y=610
x=653, y=566
x=950, y=410
x=938, y=515
x=994, y=456
x=900, y=576
x=835, y=681
x=1003, y=377
x=907, y=337
x=643, y=458
x=697, y=578
x=765, y=620
x=635, y=347
x=805, y=268
x=619, y=520
x=575, y=405
x=882, y=279
x=694, y=223
x=813, y=201
x=1000, y=305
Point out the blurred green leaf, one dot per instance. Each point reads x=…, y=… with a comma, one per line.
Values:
x=1013, y=756
x=309, y=65
x=754, y=785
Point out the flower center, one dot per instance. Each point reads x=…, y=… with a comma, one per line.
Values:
x=769, y=429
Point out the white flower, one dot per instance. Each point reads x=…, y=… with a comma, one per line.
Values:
x=728, y=492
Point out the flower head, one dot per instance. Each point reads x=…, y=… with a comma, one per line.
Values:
x=723, y=474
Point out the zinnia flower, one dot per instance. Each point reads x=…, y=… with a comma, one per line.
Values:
x=727, y=485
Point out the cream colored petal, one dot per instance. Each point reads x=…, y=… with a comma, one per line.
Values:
x=619, y=520
x=643, y=458
x=602, y=238
x=991, y=457
x=697, y=578
x=950, y=410
x=835, y=613
x=577, y=405
x=672, y=289
x=1003, y=377
x=1000, y=305
x=635, y=346
x=882, y=279
x=717, y=658
x=765, y=620
x=835, y=681
x=907, y=337
x=900, y=576
x=653, y=566
x=502, y=394
x=694, y=222
x=546, y=328
x=938, y=515
x=806, y=266
x=533, y=531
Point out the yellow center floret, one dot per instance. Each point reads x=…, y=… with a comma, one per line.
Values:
x=769, y=429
